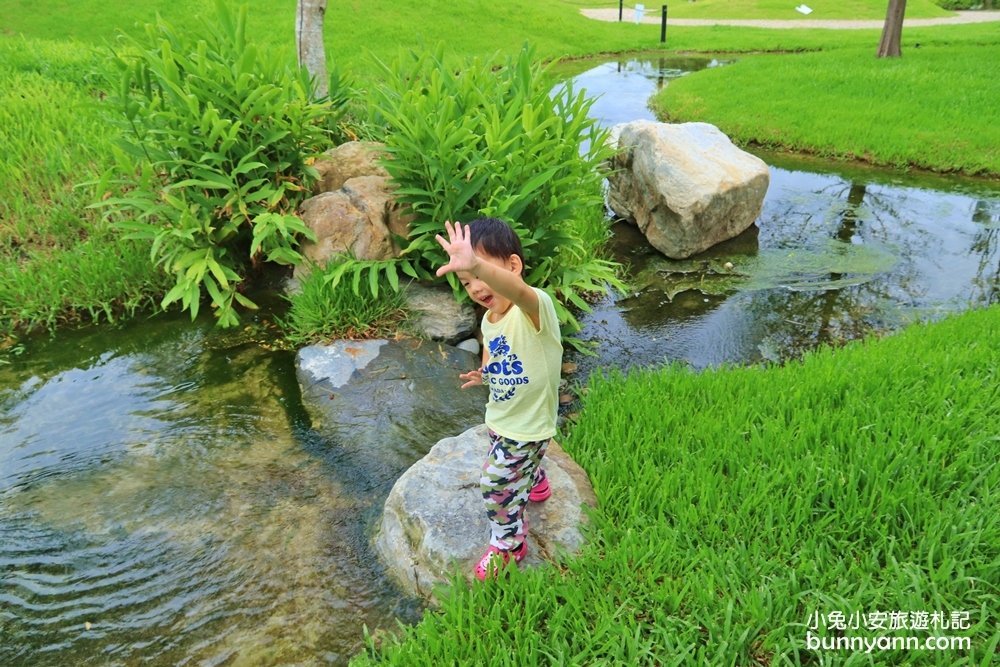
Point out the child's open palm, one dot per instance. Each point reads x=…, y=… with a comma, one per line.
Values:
x=459, y=249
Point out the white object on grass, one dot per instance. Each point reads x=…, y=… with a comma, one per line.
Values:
x=804, y=9
x=639, y=11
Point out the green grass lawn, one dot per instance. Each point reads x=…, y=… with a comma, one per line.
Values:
x=736, y=502
x=933, y=108
x=473, y=27
x=53, y=140
x=778, y=9
x=472, y=23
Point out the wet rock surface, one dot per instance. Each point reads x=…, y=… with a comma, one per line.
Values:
x=437, y=315
x=686, y=186
x=434, y=520
x=383, y=403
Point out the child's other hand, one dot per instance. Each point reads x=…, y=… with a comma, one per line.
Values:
x=459, y=249
x=474, y=377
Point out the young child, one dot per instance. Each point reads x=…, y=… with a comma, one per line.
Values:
x=522, y=359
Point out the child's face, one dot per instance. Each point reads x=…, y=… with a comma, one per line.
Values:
x=480, y=291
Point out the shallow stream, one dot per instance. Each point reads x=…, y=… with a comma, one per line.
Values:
x=164, y=501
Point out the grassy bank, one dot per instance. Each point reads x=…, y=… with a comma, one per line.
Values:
x=53, y=139
x=933, y=108
x=58, y=261
x=737, y=502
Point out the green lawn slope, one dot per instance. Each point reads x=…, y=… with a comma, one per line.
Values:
x=736, y=503
x=934, y=108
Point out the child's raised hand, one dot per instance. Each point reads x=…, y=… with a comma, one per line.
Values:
x=474, y=377
x=459, y=249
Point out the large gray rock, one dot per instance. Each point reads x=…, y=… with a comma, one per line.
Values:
x=434, y=519
x=381, y=404
x=437, y=315
x=686, y=186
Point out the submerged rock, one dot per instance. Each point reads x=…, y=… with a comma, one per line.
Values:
x=686, y=186
x=434, y=520
x=381, y=404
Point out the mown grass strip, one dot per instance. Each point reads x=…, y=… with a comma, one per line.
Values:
x=933, y=108
x=737, y=501
x=784, y=10
x=470, y=28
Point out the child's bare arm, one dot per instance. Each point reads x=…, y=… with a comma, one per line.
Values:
x=507, y=284
x=475, y=377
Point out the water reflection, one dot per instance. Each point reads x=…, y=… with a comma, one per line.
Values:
x=625, y=86
x=167, y=491
x=162, y=483
x=839, y=252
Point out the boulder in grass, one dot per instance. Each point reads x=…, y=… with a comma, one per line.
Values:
x=686, y=186
x=360, y=217
x=434, y=521
x=346, y=161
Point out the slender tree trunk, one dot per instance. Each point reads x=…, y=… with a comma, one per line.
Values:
x=892, y=31
x=309, y=42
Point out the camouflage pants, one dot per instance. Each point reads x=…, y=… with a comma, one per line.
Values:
x=511, y=470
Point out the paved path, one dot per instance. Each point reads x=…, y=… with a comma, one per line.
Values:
x=652, y=15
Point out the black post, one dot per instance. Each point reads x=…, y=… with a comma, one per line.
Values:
x=621, y=3
x=663, y=26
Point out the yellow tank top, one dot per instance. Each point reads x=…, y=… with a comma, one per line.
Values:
x=523, y=372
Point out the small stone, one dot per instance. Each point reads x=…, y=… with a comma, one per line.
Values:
x=471, y=345
x=87, y=625
x=728, y=265
x=569, y=367
x=566, y=399
x=573, y=416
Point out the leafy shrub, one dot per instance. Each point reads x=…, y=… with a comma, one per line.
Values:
x=468, y=140
x=324, y=309
x=214, y=157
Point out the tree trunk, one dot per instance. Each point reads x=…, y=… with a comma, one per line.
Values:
x=892, y=31
x=309, y=42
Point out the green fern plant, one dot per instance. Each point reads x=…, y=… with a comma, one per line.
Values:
x=469, y=140
x=214, y=155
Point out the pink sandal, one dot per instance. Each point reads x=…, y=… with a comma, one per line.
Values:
x=540, y=491
x=496, y=559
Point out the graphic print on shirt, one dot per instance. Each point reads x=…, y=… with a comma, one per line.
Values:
x=505, y=371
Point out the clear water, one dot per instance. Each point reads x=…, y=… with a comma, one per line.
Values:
x=160, y=482
x=841, y=251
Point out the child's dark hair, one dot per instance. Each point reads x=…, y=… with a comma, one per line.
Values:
x=496, y=238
